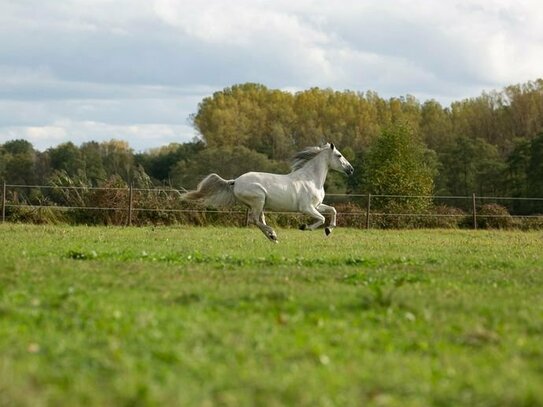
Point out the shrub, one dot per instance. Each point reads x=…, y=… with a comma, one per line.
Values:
x=350, y=215
x=494, y=216
x=534, y=222
x=36, y=215
x=447, y=217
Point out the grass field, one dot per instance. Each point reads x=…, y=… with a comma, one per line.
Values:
x=220, y=316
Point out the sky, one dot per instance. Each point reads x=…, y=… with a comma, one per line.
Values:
x=135, y=70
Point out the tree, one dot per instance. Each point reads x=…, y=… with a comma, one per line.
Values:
x=406, y=110
x=535, y=168
x=66, y=157
x=397, y=165
x=118, y=159
x=523, y=108
x=228, y=162
x=472, y=165
x=19, y=146
x=435, y=125
x=524, y=174
x=3, y=162
x=278, y=123
x=91, y=155
x=277, y=141
x=235, y=115
x=18, y=162
x=159, y=162
x=518, y=167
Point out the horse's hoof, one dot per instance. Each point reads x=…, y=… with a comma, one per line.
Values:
x=303, y=226
x=327, y=231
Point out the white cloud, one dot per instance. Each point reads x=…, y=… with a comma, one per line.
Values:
x=95, y=68
x=257, y=30
x=463, y=42
x=39, y=135
x=239, y=23
x=140, y=136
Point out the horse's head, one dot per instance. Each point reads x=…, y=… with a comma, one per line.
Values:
x=338, y=162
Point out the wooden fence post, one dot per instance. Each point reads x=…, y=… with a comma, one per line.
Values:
x=130, y=204
x=368, y=208
x=474, y=211
x=247, y=217
x=4, y=202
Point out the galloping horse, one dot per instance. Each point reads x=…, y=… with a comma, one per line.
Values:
x=302, y=190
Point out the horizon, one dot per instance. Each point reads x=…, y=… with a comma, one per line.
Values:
x=197, y=137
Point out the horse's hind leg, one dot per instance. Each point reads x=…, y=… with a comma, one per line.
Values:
x=257, y=215
x=267, y=230
x=255, y=201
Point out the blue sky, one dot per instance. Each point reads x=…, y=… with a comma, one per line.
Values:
x=79, y=70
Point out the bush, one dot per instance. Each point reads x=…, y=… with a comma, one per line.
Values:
x=350, y=215
x=447, y=217
x=494, y=216
x=534, y=222
x=388, y=213
x=36, y=215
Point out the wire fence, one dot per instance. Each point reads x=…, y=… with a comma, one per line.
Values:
x=359, y=210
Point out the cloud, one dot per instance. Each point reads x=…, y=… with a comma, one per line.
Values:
x=140, y=137
x=246, y=35
x=464, y=42
x=242, y=23
x=147, y=63
x=41, y=84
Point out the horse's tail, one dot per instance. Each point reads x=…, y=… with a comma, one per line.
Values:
x=213, y=191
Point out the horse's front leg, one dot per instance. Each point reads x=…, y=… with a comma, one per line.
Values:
x=314, y=213
x=328, y=210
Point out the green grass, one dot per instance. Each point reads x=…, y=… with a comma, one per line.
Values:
x=220, y=316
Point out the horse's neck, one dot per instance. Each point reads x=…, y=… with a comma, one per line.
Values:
x=315, y=170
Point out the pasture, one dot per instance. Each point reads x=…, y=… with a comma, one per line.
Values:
x=220, y=316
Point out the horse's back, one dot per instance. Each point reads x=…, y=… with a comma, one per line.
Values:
x=264, y=178
x=261, y=182
x=279, y=192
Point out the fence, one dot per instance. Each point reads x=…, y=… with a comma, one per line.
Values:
x=467, y=208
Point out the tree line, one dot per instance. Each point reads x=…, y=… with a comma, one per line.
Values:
x=489, y=145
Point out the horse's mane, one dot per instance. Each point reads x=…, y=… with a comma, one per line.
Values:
x=301, y=158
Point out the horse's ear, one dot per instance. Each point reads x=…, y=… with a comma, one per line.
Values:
x=332, y=146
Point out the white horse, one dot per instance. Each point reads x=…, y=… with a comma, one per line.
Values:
x=302, y=190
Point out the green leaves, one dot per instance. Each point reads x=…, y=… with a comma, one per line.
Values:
x=397, y=165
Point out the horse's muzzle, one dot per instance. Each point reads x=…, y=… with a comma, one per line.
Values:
x=349, y=170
